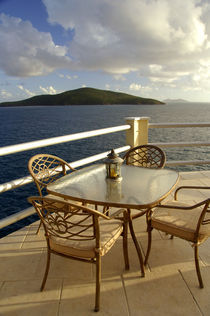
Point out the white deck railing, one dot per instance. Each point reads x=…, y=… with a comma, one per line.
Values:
x=59, y=140
x=136, y=134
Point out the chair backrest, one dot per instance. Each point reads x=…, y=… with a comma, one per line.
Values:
x=45, y=169
x=148, y=156
x=67, y=221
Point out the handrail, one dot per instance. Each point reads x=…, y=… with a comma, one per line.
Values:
x=16, y=217
x=75, y=164
x=182, y=144
x=186, y=162
x=58, y=140
x=171, y=125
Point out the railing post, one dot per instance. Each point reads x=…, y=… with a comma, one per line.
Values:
x=138, y=133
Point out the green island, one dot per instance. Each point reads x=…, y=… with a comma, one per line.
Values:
x=82, y=96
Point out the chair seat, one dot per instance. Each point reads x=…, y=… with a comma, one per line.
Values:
x=179, y=222
x=110, y=230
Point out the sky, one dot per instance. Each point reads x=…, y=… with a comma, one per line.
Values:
x=156, y=49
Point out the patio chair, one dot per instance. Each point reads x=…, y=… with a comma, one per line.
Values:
x=148, y=156
x=45, y=169
x=188, y=222
x=79, y=232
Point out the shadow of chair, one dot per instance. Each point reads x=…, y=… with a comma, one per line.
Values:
x=80, y=233
x=188, y=222
x=45, y=169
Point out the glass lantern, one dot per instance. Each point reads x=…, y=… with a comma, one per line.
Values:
x=113, y=166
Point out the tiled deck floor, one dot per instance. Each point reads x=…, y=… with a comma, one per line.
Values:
x=170, y=286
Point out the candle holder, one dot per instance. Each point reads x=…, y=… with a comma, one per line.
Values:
x=113, y=166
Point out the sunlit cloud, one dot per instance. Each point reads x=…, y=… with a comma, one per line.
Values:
x=135, y=87
x=24, y=51
x=26, y=91
x=48, y=90
x=123, y=36
x=115, y=38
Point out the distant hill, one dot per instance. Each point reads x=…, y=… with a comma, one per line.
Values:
x=175, y=101
x=83, y=96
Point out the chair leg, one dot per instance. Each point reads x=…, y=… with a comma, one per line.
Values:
x=38, y=229
x=149, y=245
x=46, y=270
x=197, y=266
x=98, y=282
x=125, y=242
x=149, y=231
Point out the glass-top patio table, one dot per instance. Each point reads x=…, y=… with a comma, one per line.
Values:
x=139, y=189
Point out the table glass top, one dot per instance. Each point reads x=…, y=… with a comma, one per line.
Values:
x=138, y=187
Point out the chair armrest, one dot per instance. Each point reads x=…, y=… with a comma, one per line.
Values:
x=190, y=187
x=204, y=202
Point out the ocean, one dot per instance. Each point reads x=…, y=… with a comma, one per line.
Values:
x=24, y=124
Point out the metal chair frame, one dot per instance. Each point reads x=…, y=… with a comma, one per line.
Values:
x=45, y=169
x=201, y=221
x=148, y=156
x=58, y=221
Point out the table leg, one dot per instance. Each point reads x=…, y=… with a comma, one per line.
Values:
x=136, y=243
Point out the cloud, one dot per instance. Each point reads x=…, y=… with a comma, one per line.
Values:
x=135, y=87
x=5, y=94
x=138, y=87
x=165, y=41
x=48, y=90
x=123, y=36
x=119, y=77
x=28, y=92
x=24, y=51
x=68, y=76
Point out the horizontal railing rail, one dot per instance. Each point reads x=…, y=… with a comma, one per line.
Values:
x=7, y=150
x=183, y=144
x=177, y=125
x=25, y=180
x=184, y=162
x=75, y=164
x=9, y=220
x=187, y=163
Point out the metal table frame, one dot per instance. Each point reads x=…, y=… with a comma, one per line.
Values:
x=140, y=189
